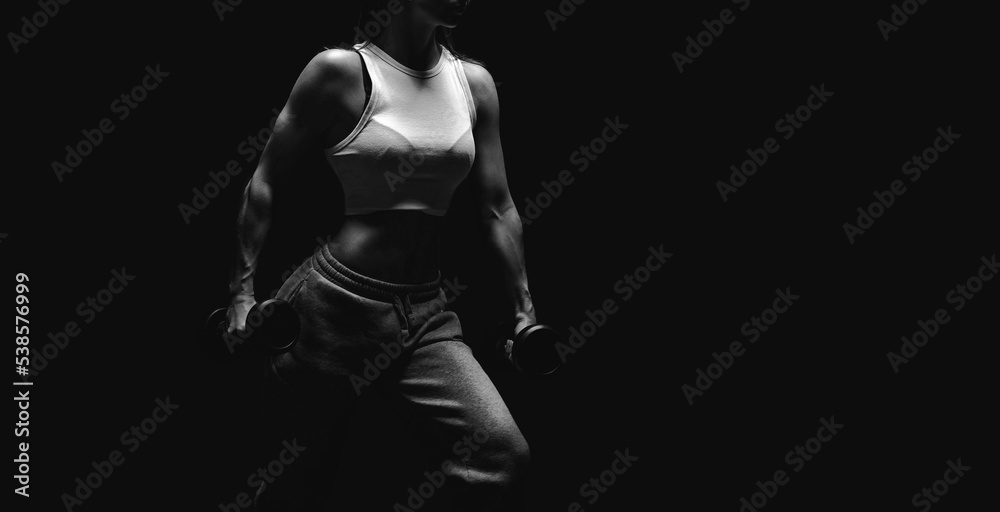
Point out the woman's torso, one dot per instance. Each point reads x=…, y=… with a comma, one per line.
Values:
x=395, y=245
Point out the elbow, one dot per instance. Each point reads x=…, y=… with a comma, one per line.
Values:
x=503, y=225
x=501, y=214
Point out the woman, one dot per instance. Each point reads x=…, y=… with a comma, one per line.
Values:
x=403, y=121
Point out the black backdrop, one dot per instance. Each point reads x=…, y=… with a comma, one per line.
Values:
x=825, y=358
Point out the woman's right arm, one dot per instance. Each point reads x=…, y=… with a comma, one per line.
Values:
x=315, y=101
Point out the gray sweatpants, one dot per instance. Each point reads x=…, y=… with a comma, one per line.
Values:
x=361, y=335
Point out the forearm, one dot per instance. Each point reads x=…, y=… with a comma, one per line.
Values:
x=252, y=226
x=503, y=229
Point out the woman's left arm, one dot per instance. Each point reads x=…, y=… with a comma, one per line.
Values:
x=489, y=185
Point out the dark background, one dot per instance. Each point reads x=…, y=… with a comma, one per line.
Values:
x=653, y=186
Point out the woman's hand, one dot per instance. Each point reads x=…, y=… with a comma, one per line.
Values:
x=237, y=314
x=521, y=322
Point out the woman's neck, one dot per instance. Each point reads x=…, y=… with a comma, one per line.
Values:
x=411, y=43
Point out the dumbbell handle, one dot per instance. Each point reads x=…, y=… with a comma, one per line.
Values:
x=272, y=327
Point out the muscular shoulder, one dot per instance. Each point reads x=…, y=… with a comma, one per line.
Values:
x=331, y=70
x=484, y=89
x=325, y=82
x=323, y=91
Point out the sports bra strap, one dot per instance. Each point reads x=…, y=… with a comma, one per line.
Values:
x=366, y=78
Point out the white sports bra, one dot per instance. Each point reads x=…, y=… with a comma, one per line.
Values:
x=413, y=144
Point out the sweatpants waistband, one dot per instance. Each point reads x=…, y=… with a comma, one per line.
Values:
x=328, y=266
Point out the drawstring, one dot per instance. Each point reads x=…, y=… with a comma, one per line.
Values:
x=405, y=314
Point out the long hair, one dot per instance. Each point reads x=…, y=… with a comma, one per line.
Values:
x=442, y=34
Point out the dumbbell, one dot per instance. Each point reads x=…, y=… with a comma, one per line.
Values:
x=532, y=351
x=272, y=327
